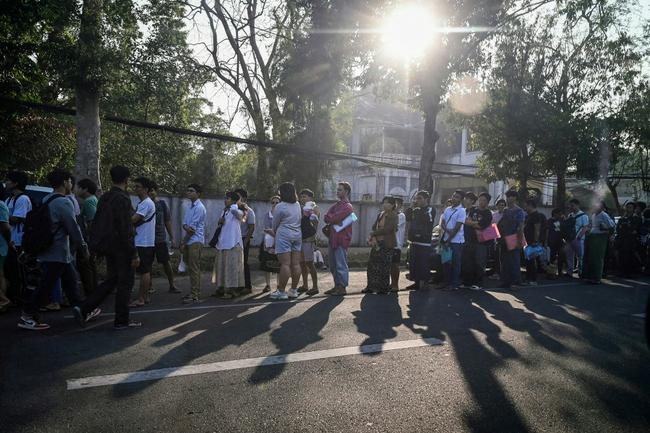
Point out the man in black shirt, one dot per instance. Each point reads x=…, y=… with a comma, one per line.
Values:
x=475, y=253
x=113, y=235
x=554, y=239
x=627, y=241
x=534, y=232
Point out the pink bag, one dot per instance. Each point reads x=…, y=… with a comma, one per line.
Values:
x=488, y=234
x=515, y=241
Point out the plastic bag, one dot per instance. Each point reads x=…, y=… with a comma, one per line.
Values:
x=182, y=267
x=446, y=255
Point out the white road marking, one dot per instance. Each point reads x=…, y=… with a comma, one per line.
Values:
x=640, y=315
x=640, y=283
x=147, y=375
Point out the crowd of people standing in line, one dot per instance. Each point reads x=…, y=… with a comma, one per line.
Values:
x=82, y=229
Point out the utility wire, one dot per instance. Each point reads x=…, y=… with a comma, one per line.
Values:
x=285, y=148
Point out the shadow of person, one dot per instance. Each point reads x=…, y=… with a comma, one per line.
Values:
x=294, y=335
x=519, y=320
x=209, y=335
x=555, y=307
x=455, y=318
x=377, y=317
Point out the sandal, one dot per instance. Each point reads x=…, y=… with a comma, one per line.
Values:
x=136, y=304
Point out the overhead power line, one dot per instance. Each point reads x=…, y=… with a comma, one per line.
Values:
x=286, y=148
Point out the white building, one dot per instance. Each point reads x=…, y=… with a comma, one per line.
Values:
x=393, y=133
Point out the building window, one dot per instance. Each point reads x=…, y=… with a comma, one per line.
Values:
x=397, y=182
x=472, y=145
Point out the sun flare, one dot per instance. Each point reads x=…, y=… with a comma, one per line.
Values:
x=408, y=32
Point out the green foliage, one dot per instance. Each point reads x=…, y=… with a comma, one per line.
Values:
x=552, y=84
x=37, y=144
x=148, y=76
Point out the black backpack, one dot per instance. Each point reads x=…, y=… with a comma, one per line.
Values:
x=568, y=227
x=102, y=231
x=307, y=228
x=38, y=235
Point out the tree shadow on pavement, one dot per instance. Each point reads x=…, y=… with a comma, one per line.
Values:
x=295, y=334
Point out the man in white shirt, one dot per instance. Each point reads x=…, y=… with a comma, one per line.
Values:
x=19, y=206
x=451, y=223
x=144, y=221
x=192, y=243
x=247, y=230
x=397, y=254
x=575, y=248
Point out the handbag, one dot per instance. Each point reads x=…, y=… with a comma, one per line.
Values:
x=489, y=233
x=515, y=241
x=446, y=255
x=182, y=267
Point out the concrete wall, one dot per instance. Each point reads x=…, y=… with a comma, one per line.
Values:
x=367, y=213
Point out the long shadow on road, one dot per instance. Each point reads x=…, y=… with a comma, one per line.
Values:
x=235, y=331
x=295, y=334
x=455, y=316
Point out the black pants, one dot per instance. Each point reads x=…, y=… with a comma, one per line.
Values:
x=87, y=272
x=247, y=269
x=15, y=275
x=557, y=256
x=474, y=262
x=531, y=269
x=51, y=272
x=119, y=276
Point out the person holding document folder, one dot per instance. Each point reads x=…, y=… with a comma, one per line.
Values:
x=339, y=219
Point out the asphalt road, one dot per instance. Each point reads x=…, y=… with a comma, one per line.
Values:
x=562, y=357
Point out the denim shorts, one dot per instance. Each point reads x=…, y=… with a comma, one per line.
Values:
x=283, y=245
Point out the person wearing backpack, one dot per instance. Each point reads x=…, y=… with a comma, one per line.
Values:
x=308, y=227
x=19, y=206
x=51, y=233
x=575, y=227
x=112, y=236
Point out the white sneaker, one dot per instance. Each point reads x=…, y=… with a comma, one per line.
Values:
x=292, y=293
x=278, y=295
x=475, y=287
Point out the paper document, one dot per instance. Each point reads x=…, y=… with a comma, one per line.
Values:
x=352, y=218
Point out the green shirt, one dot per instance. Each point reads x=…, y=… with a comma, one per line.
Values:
x=89, y=208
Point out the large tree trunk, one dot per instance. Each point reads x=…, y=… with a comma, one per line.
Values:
x=87, y=90
x=432, y=82
x=88, y=134
x=431, y=136
x=561, y=188
x=612, y=189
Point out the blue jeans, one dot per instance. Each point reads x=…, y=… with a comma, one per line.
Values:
x=338, y=258
x=53, y=271
x=452, y=269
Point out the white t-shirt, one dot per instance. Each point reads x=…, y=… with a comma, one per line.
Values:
x=401, y=229
x=19, y=208
x=452, y=216
x=230, y=235
x=145, y=233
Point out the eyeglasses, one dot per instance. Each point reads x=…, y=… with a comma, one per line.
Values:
x=191, y=190
x=275, y=202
